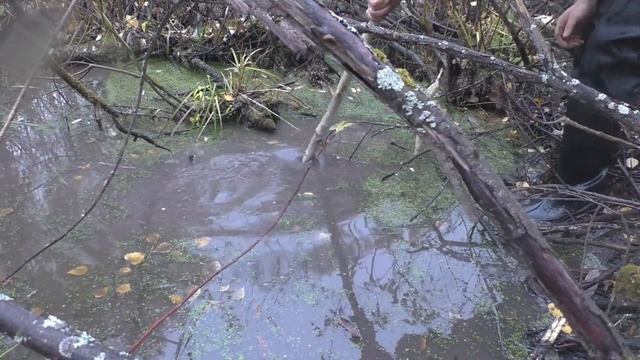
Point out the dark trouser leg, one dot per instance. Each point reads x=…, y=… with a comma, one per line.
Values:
x=582, y=155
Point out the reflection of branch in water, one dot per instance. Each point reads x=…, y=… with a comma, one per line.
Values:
x=370, y=348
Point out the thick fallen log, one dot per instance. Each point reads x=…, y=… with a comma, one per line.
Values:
x=51, y=337
x=486, y=188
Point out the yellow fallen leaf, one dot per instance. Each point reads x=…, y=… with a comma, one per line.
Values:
x=567, y=329
x=78, y=270
x=100, y=292
x=125, y=271
x=175, y=298
x=5, y=211
x=123, y=289
x=555, y=312
x=202, y=242
x=228, y=97
x=134, y=258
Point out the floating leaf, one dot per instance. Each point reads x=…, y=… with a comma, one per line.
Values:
x=631, y=163
x=555, y=312
x=37, y=311
x=224, y=288
x=175, y=298
x=78, y=270
x=134, y=258
x=238, y=294
x=5, y=211
x=216, y=265
x=341, y=126
x=163, y=248
x=123, y=289
x=125, y=271
x=202, y=242
x=100, y=292
x=152, y=237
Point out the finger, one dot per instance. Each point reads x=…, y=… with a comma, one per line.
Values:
x=560, y=24
x=569, y=28
x=377, y=5
x=377, y=15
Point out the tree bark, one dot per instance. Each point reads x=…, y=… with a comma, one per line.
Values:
x=486, y=188
x=51, y=337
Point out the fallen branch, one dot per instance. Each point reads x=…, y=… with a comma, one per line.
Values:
x=97, y=101
x=486, y=188
x=557, y=79
x=51, y=337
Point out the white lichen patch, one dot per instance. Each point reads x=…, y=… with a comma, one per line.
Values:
x=623, y=109
x=411, y=102
x=82, y=340
x=4, y=297
x=53, y=322
x=388, y=79
x=100, y=356
x=19, y=339
x=601, y=97
x=344, y=22
x=424, y=117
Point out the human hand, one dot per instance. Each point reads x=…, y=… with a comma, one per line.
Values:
x=571, y=24
x=378, y=9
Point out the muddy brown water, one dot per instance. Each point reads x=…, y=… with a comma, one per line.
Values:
x=327, y=284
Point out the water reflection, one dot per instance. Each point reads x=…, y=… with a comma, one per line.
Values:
x=328, y=284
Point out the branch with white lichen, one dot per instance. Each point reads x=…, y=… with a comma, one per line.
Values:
x=484, y=185
x=554, y=78
x=50, y=336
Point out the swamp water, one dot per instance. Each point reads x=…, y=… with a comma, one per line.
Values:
x=343, y=276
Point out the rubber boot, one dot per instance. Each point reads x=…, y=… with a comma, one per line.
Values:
x=555, y=209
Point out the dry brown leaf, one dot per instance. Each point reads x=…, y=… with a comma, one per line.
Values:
x=79, y=270
x=123, y=289
x=202, y=242
x=175, y=298
x=5, y=211
x=100, y=292
x=134, y=258
x=125, y=271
